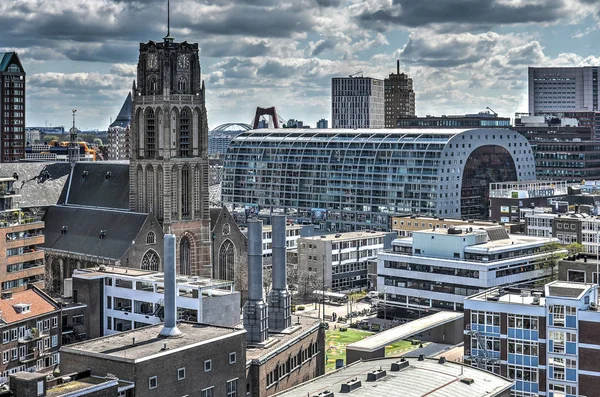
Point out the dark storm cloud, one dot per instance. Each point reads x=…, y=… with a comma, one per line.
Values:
x=465, y=14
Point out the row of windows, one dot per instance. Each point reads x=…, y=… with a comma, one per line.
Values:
x=293, y=362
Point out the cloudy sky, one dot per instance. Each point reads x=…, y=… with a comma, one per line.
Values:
x=463, y=55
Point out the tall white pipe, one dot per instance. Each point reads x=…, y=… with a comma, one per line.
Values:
x=279, y=260
x=170, y=290
x=255, y=265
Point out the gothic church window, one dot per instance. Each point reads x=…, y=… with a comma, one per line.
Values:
x=151, y=238
x=150, y=134
x=150, y=261
x=184, y=133
x=226, y=260
x=181, y=84
x=185, y=252
x=226, y=229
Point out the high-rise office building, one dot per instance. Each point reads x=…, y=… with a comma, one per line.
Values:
x=357, y=102
x=399, y=97
x=322, y=124
x=12, y=103
x=169, y=158
x=570, y=89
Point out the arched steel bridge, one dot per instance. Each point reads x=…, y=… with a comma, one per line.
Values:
x=226, y=126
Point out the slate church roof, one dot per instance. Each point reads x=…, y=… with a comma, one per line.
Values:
x=124, y=118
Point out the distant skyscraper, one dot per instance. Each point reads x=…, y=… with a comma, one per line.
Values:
x=12, y=105
x=399, y=97
x=357, y=102
x=563, y=89
x=119, y=140
x=322, y=123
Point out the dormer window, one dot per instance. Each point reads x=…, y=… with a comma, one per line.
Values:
x=22, y=307
x=14, y=69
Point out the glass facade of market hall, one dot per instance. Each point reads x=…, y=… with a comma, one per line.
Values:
x=355, y=179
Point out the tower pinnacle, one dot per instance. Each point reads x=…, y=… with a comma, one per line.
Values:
x=168, y=36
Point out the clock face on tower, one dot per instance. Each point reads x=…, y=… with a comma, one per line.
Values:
x=152, y=60
x=183, y=61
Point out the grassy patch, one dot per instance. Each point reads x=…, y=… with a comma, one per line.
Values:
x=335, y=344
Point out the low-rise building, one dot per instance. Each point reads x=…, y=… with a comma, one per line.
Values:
x=405, y=225
x=406, y=377
x=203, y=361
x=291, y=358
x=31, y=331
x=342, y=258
x=439, y=268
x=545, y=340
x=121, y=299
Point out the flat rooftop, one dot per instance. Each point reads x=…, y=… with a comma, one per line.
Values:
x=305, y=324
x=420, y=378
x=404, y=331
x=148, y=343
x=525, y=296
x=347, y=236
x=79, y=385
x=149, y=276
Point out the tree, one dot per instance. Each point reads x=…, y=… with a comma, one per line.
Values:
x=98, y=142
x=556, y=252
x=575, y=248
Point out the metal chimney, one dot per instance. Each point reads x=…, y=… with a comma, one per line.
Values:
x=170, y=327
x=280, y=302
x=255, y=309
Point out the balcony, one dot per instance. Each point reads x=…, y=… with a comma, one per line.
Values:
x=31, y=335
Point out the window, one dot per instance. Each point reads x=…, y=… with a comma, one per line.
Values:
x=181, y=374
x=207, y=365
x=54, y=322
x=150, y=238
x=232, y=358
x=54, y=340
x=152, y=382
x=208, y=392
x=5, y=337
x=232, y=388
x=5, y=356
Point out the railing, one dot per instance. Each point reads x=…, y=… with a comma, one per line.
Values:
x=183, y=99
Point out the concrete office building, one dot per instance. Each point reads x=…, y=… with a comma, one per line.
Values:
x=439, y=268
x=406, y=377
x=356, y=179
x=218, y=142
x=12, y=103
x=546, y=340
x=399, y=97
x=357, y=102
x=345, y=257
x=322, y=124
x=120, y=299
x=479, y=120
x=560, y=89
x=31, y=332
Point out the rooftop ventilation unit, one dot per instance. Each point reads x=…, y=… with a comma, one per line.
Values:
x=64, y=230
x=108, y=174
x=102, y=234
x=325, y=393
x=421, y=357
x=468, y=381
x=85, y=174
x=376, y=375
x=401, y=364
x=442, y=360
x=350, y=385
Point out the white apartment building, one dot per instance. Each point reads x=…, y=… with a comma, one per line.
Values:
x=438, y=268
x=546, y=341
x=563, y=89
x=132, y=299
x=345, y=257
x=357, y=102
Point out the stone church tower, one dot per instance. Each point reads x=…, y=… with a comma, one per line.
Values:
x=169, y=157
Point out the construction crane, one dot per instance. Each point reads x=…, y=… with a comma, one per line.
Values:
x=357, y=73
x=492, y=110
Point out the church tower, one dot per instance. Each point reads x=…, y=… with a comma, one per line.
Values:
x=168, y=173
